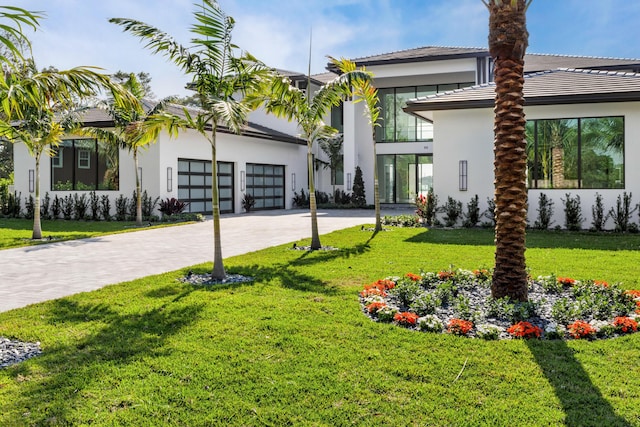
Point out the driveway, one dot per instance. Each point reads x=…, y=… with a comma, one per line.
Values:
x=38, y=273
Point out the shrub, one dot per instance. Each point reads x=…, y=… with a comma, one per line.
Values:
x=459, y=326
x=359, y=198
x=580, y=329
x=406, y=318
x=488, y=332
x=248, y=202
x=342, y=198
x=490, y=213
x=80, y=205
x=105, y=207
x=172, y=206
x=132, y=206
x=30, y=207
x=121, y=208
x=148, y=205
x=406, y=291
x=401, y=221
x=472, y=216
x=622, y=212
x=94, y=204
x=56, y=207
x=300, y=200
x=625, y=324
x=44, y=206
x=430, y=323
x=524, y=330
x=452, y=211
x=545, y=212
x=426, y=303
x=597, y=213
x=572, y=213
x=67, y=207
x=426, y=207
x=386, y=314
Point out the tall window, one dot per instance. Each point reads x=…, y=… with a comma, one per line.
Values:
x=84, y=164
x=398, y=126
x=576, y=153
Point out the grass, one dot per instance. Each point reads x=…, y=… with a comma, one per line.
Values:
x=293, y=348
x=16, y=233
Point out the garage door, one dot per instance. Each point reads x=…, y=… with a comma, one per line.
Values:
x=266, y=184
x=194, y=185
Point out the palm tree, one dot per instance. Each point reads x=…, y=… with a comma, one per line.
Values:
x=39, y=108
x=136, y=126
x=218, y=77
x=13, y=42
x=508, y=40
x=364, y=90
x=308, y=110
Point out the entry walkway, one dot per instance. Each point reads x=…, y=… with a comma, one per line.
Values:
x=48, y=271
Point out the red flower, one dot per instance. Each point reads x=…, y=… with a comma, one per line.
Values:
x=481, y=274
x=406, y=318
x=459, y=326
x=374, y=307
x=625, y=324
x=581, y=329
x=414, y=277
x=444, y=275
x=566, y=281
x=601, y=283
x=524, y=330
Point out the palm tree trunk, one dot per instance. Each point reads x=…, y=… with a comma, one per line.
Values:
x=138, y=190
x=376, y=187
x=508, y=40
x=315, y=236
x=218, y=272
x=37, y=226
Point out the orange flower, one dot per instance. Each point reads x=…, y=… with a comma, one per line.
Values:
x=481, y=274
x=406, y=318
x=581, y=329
x=566, y=281
x=444, y=275
x=634, y=294
x=625, y=324
x=601, y=283
x=374, y=307
x=459, y=327
x=524, y=330
x=368, y=292
x=414, y=277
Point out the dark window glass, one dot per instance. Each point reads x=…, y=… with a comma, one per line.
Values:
x=84, y=165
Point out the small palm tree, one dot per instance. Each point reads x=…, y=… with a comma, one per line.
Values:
x=220, y=80
x=364, y=90
x=332, y=147
x=508, y=40
x=308, y=110
x=136, y=126
x=39, y=108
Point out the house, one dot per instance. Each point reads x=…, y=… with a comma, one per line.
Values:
x=436, y=132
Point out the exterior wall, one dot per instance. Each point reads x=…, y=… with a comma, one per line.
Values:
x=449, y=66
x=468, y=135
x=155, y=160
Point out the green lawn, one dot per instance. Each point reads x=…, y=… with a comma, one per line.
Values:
x=17, y=232
x=293, y=348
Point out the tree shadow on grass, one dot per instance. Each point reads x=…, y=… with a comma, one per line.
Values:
x=286, y=276
x=107, y=340
x=581, y=401
x=316, y=257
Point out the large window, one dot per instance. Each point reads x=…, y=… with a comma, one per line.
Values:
x=403, y=177
x=398, y=126
x=84, y=164
x=576, y=153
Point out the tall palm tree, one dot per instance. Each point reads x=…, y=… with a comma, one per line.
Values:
x=38, y=108
x=508, y=40
x=308, y=110
x=136, y=126
x=13, y=41
x=364, y=90
x=218, y=77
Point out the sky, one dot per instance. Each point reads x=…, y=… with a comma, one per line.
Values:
x=278, y=32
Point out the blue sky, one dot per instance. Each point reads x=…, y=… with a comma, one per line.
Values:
x=76, y=32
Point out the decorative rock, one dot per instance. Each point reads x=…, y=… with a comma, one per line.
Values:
x=205, y=279
x=12, y=352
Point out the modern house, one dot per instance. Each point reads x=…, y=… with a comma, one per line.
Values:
x=436, y=132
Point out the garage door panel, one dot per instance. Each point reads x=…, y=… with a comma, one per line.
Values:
x=194, y=185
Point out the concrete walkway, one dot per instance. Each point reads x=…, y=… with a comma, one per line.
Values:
x=48, y=271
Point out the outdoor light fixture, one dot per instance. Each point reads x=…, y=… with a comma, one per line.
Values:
x=242, y=180
x=349, y=182
x=462, y=175
x=169, y=179
x=293, y=181
x=32, y=182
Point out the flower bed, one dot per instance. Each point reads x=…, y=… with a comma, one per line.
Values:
x=459, y=302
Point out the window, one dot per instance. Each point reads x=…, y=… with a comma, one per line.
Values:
x=398, y=126
x=576, y=153
x=266, y=184
x=85, y=165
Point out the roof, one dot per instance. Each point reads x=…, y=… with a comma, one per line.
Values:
x=561, y=86
x=98, y=117
x=533, y=61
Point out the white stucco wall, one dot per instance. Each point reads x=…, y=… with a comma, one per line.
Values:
x=468, y=135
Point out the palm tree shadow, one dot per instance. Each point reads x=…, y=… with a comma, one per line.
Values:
x=581, y=401
x=322, y=256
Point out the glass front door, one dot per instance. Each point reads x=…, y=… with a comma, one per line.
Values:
x=402, y=177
